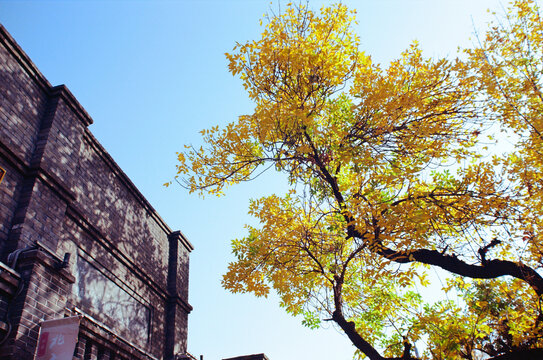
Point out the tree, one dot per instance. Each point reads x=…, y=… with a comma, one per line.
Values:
x=388, y=178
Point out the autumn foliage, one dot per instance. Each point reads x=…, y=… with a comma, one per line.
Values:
x=392, y=171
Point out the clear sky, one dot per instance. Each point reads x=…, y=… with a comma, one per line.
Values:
x=153, y=73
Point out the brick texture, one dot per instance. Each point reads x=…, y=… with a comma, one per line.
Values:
x=63, y=193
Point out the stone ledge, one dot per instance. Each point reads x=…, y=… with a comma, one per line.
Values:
x=9, y=280
x=46, y=257
x=179, y=236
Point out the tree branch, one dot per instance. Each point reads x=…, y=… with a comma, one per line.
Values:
x=530, y=354
x=350, y=330
x=489, y=270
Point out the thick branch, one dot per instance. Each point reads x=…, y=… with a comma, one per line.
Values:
x=349, y=328
x=530, y=354
x=490, y=270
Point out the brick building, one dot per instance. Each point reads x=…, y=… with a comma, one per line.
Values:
x=77, y=238
x=250, y=357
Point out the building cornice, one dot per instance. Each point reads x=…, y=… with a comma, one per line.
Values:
x=31, y=69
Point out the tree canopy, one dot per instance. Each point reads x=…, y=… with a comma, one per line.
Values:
x=392, y=171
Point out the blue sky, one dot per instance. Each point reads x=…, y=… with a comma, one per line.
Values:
x=153, y=73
